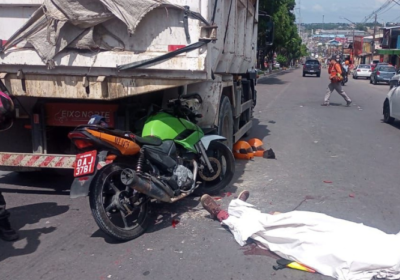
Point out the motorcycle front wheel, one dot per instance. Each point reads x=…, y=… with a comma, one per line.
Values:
x=223, y=163
x=118, y=210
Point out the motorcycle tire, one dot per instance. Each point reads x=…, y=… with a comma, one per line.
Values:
x=218, y=150
x=103, y=218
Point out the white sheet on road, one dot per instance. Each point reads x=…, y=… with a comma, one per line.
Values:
x=333, y=247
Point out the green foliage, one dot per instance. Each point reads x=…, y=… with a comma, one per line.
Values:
x=281, y=59
x=287, y=42
x=303, y=50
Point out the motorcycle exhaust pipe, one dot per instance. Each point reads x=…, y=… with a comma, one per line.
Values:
x=150, y=187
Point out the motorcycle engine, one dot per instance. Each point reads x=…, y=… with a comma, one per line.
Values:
x=183, y=177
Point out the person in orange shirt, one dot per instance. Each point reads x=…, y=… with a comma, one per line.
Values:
x=335, y=75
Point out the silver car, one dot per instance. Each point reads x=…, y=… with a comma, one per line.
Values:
x=382, y=74
x=362, y=71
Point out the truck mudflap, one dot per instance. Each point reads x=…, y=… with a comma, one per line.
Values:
x=81, y=186
x=34, y=161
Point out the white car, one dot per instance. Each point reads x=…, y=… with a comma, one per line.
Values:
x=362, y=71
x=391, y=106
x=395, y=80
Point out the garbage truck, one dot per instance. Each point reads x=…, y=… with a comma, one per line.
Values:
x=63, y=61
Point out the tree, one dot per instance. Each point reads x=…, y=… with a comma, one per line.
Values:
x=287, y=42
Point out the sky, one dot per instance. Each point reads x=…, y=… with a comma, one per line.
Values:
x=354, y=10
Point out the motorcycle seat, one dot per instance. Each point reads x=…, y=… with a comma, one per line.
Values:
x=147, y=140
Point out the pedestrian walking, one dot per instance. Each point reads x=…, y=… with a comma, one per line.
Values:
x=6, y=121
x=335, y=76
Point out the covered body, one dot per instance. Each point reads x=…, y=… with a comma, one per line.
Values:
x=333, y=247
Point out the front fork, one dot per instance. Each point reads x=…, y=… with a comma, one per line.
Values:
x=204, y=158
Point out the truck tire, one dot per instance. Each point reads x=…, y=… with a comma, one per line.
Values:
x=225, y=121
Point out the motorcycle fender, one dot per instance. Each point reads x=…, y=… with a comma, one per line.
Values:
x=206, y=140
x=81, y=186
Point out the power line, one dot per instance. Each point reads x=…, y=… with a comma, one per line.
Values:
x=393, y=20
x=384, y=6
x=388, y=9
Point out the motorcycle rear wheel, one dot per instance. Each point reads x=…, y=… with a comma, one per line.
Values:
x=223, y=154
x=106, y=187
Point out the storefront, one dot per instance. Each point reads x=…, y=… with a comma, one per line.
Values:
x=390, y=56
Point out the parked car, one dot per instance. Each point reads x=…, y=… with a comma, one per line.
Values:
x=395, y=80
x=383, y=74
x=313, y=67
x=391, y=106
x=362, y=71
x=376, y=64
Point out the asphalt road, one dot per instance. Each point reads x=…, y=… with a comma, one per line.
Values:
x=349, y=146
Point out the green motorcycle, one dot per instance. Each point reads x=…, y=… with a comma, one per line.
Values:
x=123, y=173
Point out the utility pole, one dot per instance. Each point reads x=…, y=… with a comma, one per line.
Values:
x=373, y=38
x=300, y=19
x=352, y=48
x=323, y=22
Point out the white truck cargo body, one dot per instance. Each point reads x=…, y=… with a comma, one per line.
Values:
x=72, y=60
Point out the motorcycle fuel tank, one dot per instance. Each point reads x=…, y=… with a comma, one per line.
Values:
x=168, y=127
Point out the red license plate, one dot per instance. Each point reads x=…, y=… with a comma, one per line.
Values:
x=85, y=163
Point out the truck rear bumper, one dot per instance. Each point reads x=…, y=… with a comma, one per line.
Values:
x=18, y=161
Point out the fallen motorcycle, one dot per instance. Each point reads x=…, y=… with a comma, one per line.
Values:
x=123, y=173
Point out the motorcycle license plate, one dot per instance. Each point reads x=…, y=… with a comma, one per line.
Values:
x=85, y=163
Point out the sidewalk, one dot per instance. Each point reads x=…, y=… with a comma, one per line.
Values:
x=275, y=72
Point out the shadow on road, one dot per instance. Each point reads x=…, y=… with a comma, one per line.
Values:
x=395, y=124
x=57, y=184
x=336, y=104
x=164, y=215
x=259, y=130
x=271, y=81
x=28, y=215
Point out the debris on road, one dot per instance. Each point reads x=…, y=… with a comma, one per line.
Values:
x=227, y=194
x=175, y=223
x=243, y=150
x=283, y=263
x=352, y=195
x=253, y=147
x=270, y=154
x=328, y=182
x=257, y=147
